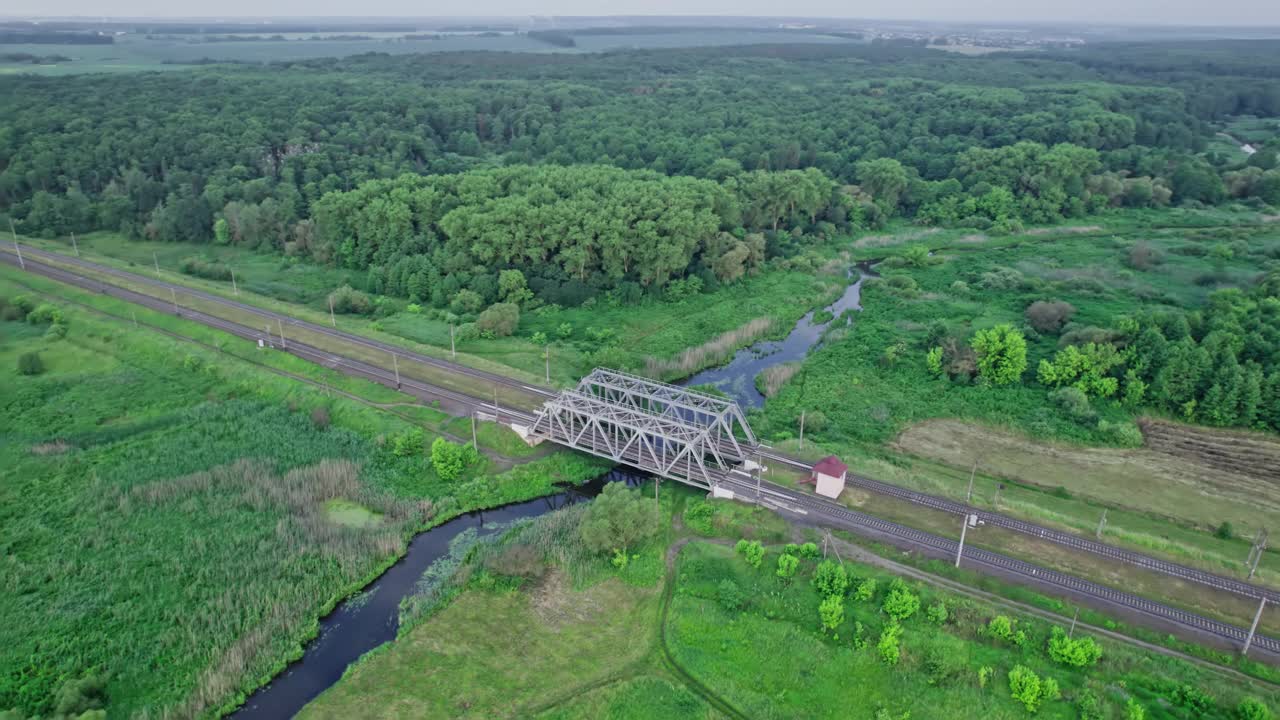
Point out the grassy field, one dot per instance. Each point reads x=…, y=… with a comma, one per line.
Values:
x=755, y=649
x=176, y=518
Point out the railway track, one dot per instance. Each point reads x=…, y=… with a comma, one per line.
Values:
x=1075, y=542
x=785, y=498
x=44, y=257
x=912, y=538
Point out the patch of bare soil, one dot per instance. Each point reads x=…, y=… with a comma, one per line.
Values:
x=57, y=447
x=1194, y=484
x=556, y=603
x=1250, y=454
x=1069, y=230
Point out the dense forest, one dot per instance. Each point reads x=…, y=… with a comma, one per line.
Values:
x=335, y=158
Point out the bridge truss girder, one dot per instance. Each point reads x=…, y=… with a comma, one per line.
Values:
x=658, y=444
x=722, y=418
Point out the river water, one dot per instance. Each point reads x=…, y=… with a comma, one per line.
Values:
x=372, y=617
x=736, y=378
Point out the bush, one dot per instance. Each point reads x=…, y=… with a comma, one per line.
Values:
x=1089, y=705
x=1252, y=708
x=46, y=314
x=349, y=301
x=936, y=614
x=1225, y=531
x=30, y=364
x=1077, y=652
x=809, y=550
x=698, y=515
x=618, y=519
x=1049, y=316
x=831, y=612
x=865, y=591
x=900, y=603
x=752, y=551
x=1192, y=698
x=56, y=331
x=830, y=579
x=1074, y=402
x=499, y=319
x=1133, y=710
x=888, y=644
x=1029, y=689
x=1144, y=257
x=320, y=418
x=200, y=267
x=730, y=595
x=787, y=565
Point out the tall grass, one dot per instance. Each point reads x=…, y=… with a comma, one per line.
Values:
x=713, y=352
x=774, y=377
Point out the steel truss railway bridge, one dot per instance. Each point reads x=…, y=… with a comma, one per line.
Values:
x=672, y=432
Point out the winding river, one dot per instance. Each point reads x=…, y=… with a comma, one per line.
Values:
x=372, y=617
x=736, y=378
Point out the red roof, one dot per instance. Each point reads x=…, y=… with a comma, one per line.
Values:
x=830, y=465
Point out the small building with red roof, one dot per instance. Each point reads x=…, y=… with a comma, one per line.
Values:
x=828, y=476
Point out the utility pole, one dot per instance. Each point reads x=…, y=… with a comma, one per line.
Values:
x=1255, y=552
x=173, y=295
x=16, y=247
x=75, y=246
x=1072, y=631
x=332, y=318
x=999, y=487
x=495, y=402
x=834, y=549
x=396, y=364
x=156, y=260
x=801, y=429
x=453, y=349
x=546, y=358
x=234, y=288
x=1102, y=523
x=757, y=476
x=474, y=442
x=1253, y=628
x=268, y=333
x=284, y=344
x=134, y=313
x=968, y=495
x=964, y=527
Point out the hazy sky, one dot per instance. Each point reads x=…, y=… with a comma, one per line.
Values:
x=1191, y=12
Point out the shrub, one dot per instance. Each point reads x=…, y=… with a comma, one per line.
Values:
x=831, y=612
x=320, y=418
x=1089, y=705
x=1029, y=689
x=887, y=645
x=1002, y=354
x=933, y=362
x=45, y=314
x=1252, y=708
x=56, y=331
x=698, y=515
x=499, y=319
x=752, y=551
x=730, y=595
x=1144, y=257
x=809, y=550
x=865, y=590
x=1074, y=402
x=787, y=565
x=1225, y=531
x=984, y=675
x=200, y=267
x=409, y=443
x=618, y=518
x=349, y=301
x=1001, y=628
x=903, y=285
x=30, y=364
x=1192, y=698
x=1133, y=710
x=830, y=578
x=900, y=603
x=936, y=614
x=1077, y=652
x=1048, y=316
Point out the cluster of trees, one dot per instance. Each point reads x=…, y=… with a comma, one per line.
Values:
x=164, y=155
x=1219, y=365
x=461, y=239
